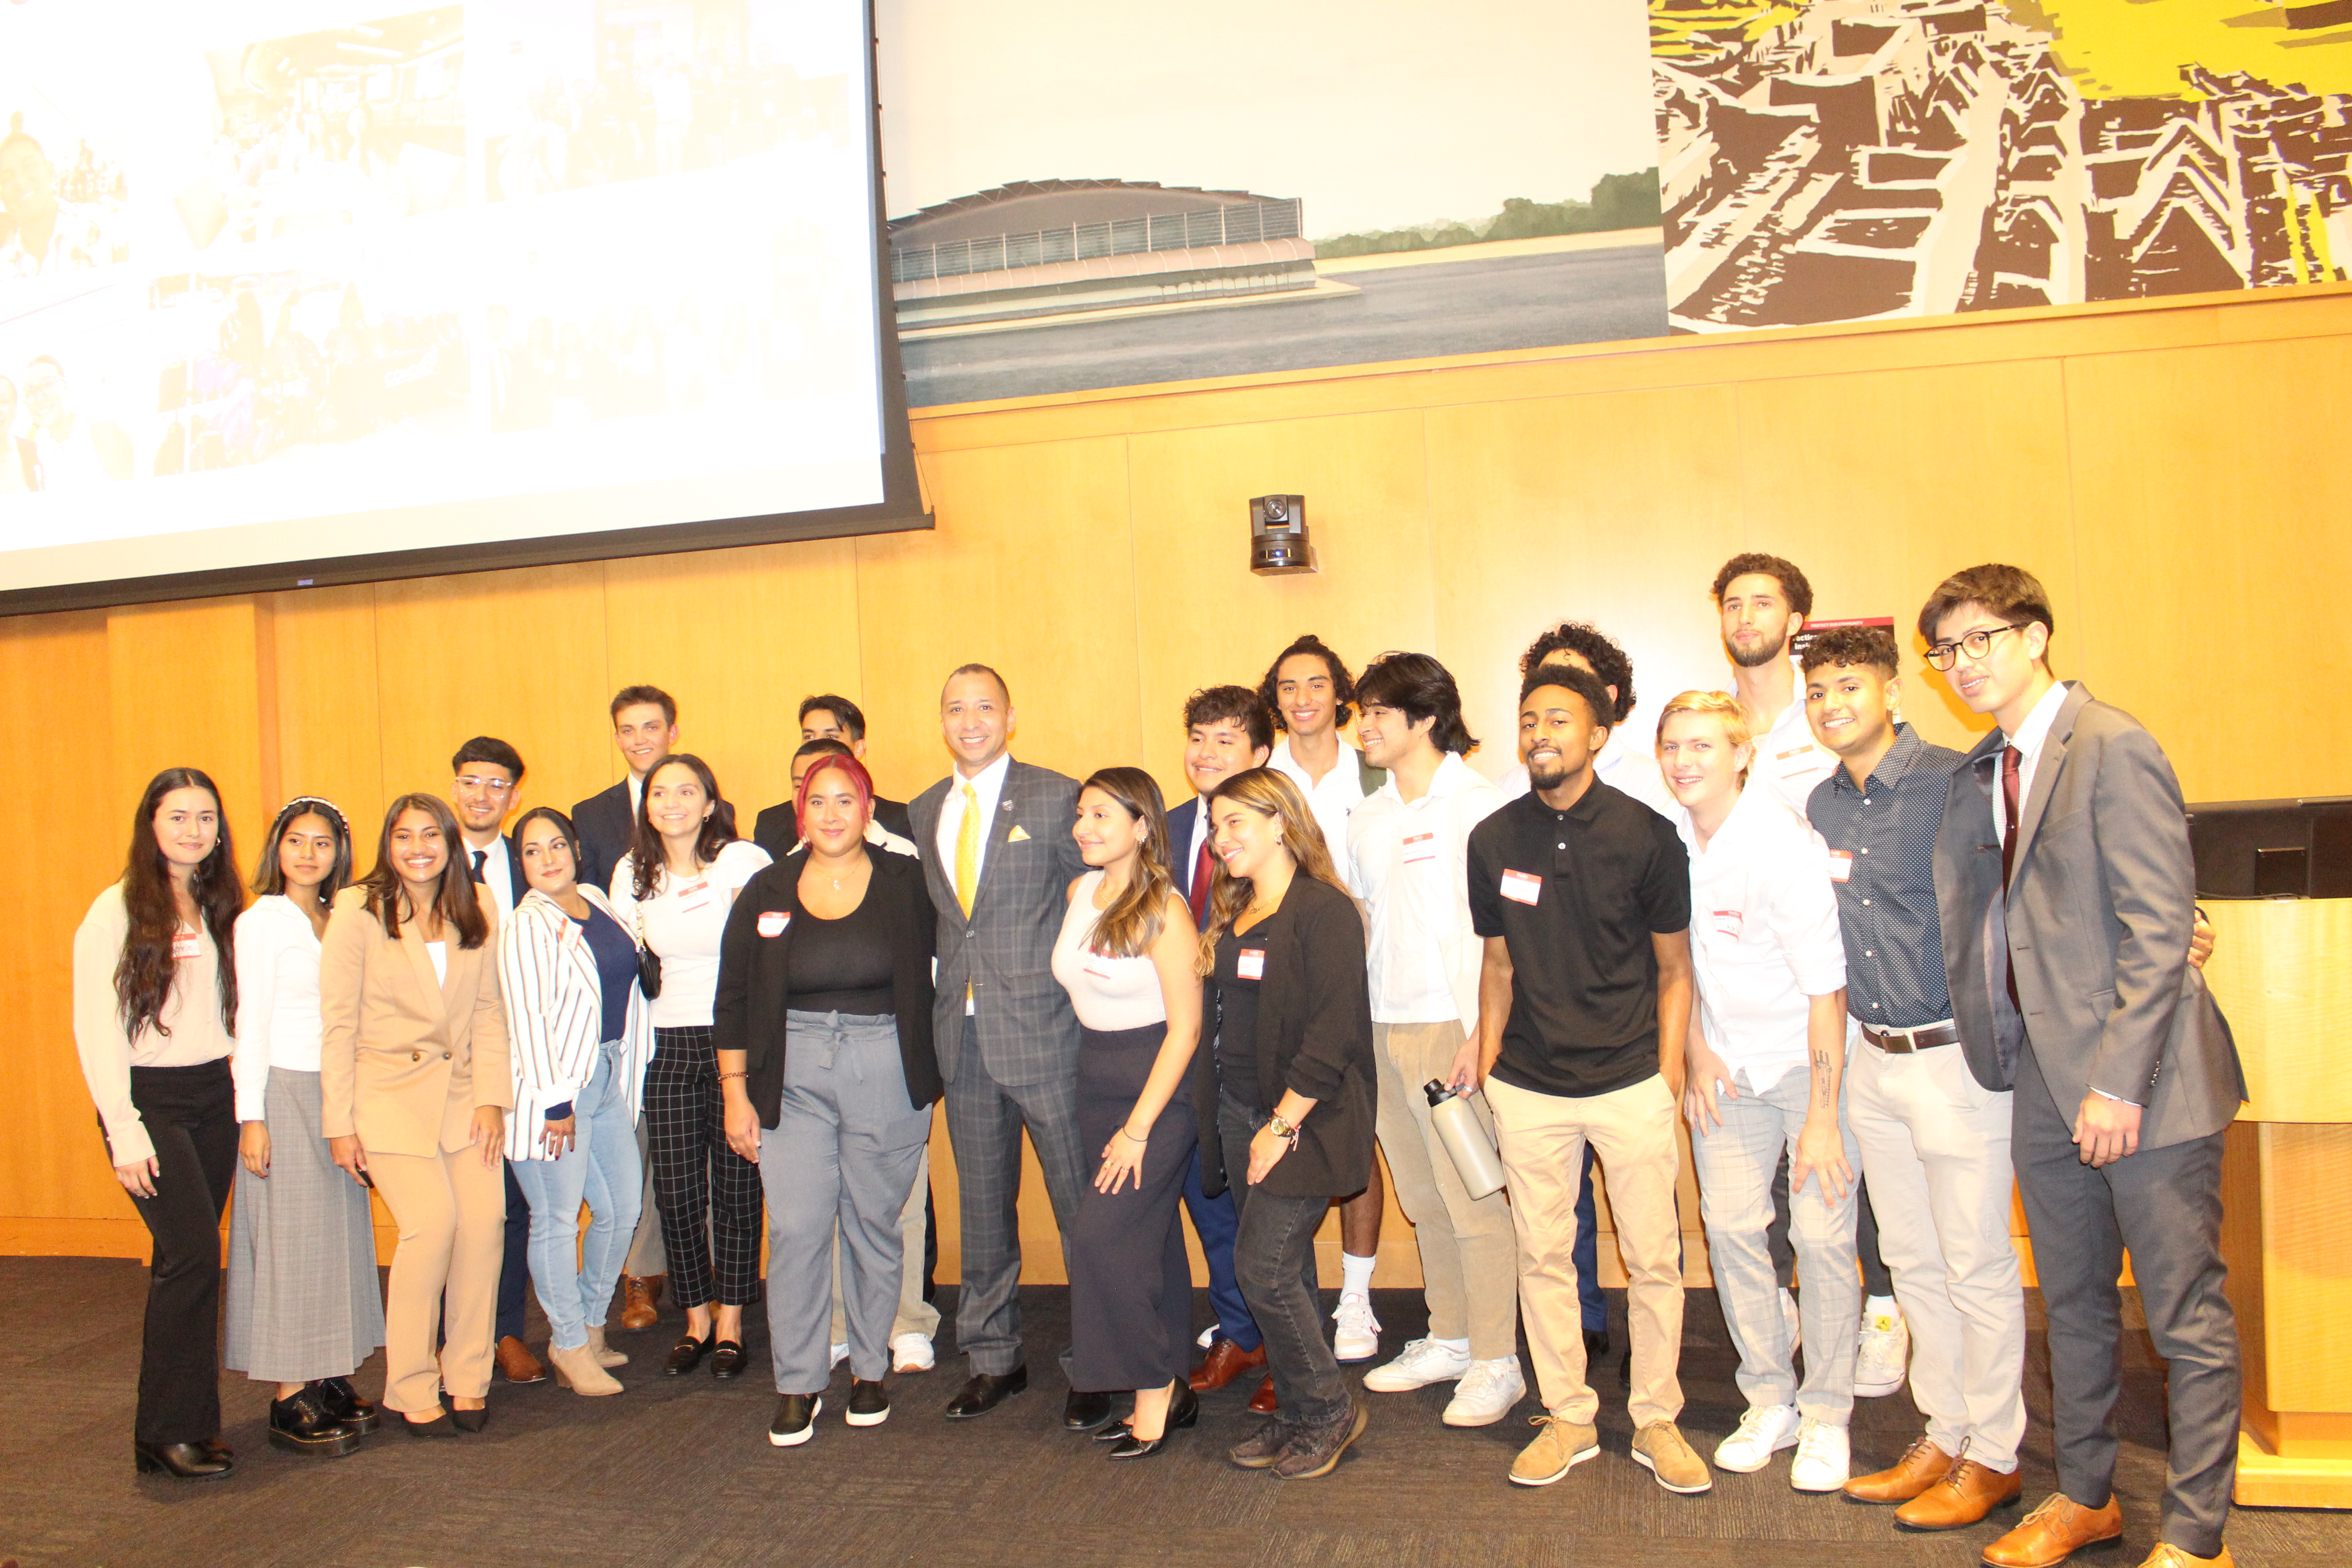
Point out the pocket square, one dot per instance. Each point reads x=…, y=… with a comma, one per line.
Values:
x=1019, y=835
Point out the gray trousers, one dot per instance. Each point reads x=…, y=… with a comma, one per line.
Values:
x=2165, y=1207
x=984, y=1122
x=647, y=1258
x=843, y=1155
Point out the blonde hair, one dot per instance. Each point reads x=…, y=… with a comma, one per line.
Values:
x=1269, y=794
x=1720, y=705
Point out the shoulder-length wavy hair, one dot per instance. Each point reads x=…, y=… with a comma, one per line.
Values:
x=144, y=973
x=270, y=877
x=1269, y=794
x=455, y=900
x=646, y=852
x=1136, y=918
x=861, y=783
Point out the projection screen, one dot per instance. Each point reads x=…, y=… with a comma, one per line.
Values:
x=295, y=293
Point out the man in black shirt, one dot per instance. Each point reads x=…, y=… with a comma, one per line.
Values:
x=1582, y=898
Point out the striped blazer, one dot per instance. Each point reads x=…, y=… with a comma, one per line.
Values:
x=555, y=1017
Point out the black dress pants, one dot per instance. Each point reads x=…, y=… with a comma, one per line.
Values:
x=190, y=1113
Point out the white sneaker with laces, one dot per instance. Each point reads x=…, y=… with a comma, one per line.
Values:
x=1486, y=1394
x=1763, y=1432
x=1423, y=1363
x=912, y=1352
x=840, y=1354
x=1882, y=1358
x=1795, y=1319
x=1358, y=1337
x=1824, y=1461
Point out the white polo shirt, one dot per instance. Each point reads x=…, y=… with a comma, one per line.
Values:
x=1409, y=860
x=1764, y=934
x=1333, y=798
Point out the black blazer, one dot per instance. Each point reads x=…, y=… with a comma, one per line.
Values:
x=604, y=823
x=1313, y=1034
x=1180, y=846
x=778, y=827
x=749, y=1013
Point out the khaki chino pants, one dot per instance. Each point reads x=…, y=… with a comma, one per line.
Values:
x=1469, y=1267
x=1634, y=1131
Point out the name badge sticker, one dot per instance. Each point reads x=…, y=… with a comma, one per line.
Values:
x=1522, y=887
x=695, y=895
x=1251, y=966
x=1727, y=923
x=1420, y=847
x=1841, y=865
x=773, y=922
x=184, y=945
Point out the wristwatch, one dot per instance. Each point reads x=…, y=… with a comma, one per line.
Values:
x=1285, y=1130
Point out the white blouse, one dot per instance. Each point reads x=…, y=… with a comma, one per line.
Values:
x=1107, y=993
x=276, y=999
x=683, y=922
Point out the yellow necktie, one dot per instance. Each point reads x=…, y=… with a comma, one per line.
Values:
x=967, y=851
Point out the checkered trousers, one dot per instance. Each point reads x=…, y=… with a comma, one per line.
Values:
x=694, y=1170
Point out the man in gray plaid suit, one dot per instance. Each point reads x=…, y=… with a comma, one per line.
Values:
x=994, y=836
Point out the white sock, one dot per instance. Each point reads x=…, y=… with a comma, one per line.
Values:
x=1877, y=1305
x=1459, y=1347
x=1355, y=1274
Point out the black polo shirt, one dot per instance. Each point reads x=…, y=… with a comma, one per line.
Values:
x=1604, y=875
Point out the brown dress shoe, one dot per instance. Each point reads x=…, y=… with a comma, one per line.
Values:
x=637, y=1298
x=2053, y=1532
x=1226, y=1362
x=1921, y=1466
x=1967, y=1492
x=1262, y=1400
x=516, y=1363
x=2166, y=1555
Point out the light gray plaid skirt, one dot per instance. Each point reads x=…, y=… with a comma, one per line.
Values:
x=304, y=1300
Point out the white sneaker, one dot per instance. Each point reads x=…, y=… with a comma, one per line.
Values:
x=1792, y=1318
x=840, y=1354
x=1763, y=1432
x=1882, y=1358
x=1823, y=1461
x=911, y=1353
x=1358, y=1337
x=1423, y=1363
x=1486, y=1394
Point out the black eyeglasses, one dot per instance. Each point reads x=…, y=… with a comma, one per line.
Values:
x=1944, y=655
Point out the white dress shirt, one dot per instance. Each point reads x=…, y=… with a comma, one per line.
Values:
x=1409, y=861
x=2032, y=736
x=1764, y=934
x=1333, y=798
x=988, y=785
x=498, y=874
x=1788, y=761
x=277, y=1023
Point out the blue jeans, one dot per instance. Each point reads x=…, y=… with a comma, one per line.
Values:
x=1216, y=1222
x=602, y=1169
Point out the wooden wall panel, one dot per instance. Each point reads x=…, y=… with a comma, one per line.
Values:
x=183, y=688
x=329, y=733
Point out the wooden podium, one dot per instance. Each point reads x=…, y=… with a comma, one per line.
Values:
x=2282, y=970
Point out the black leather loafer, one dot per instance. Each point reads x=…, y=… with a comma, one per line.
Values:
x=1083, y=1411
x=346, y=1405
x=182, y=1461
x=985, y=1391
x=687, y=1354
x=726, y=1359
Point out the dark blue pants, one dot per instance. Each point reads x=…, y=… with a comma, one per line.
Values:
x=514, y=1274
x=1587, y=1253
x=1216, y=1222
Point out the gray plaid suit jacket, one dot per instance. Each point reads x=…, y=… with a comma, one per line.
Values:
x=1005, y=952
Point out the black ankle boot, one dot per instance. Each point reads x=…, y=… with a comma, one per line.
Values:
x=303, y=1425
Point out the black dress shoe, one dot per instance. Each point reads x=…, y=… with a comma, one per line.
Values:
x=303, y=1425
x=1183, y=1412
x=182, y=1461
x=985, y=1391
x=346, y=1405
x=1596, y=1344
x=216, y=1449
x=726, y=1359
x=1130, y=1447
x=687, y=1354
x=1082, y=1412
x=439, y=1427
x=472, y=1420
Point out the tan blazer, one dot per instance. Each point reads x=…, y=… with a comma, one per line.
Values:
x=404, y=1058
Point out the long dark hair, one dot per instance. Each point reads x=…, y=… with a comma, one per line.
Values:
x=270, y=877
x=1133, y=921
x=143, y=975
x=1269, y=794
x=455, y=902
x=647, y=852
x=562, y=824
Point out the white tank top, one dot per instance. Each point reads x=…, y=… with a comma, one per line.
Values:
x=1108, y=994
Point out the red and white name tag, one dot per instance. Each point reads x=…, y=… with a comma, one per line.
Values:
x=1795, y=759
x=1420, y=847
x=773, y=922
x=694, y=896
x=1097, y=968
x=185, y=945
x=1519, y=885
x=1841, y=865
x=1727, y=923
x=1251, y=964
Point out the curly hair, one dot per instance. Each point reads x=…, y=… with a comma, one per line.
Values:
x=1596, y=647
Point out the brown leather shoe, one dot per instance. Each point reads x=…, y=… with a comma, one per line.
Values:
x=2053, y=1532
x=1226, y=1362
x=1966, y=1493
x=2166, y=1555
x=516, y=1363
x=637, y=1298
x=1262, y=1400
x=1921, y=1466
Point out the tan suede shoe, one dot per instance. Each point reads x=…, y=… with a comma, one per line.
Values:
x=1967, y=1492
x=1921, y=1466
x=2053, y=1532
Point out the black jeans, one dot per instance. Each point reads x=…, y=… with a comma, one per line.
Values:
x=1273, y=1259
x=191, y=1118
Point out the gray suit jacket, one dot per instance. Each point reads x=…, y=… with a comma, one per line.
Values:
x=2096, y=922
x=1005, y=952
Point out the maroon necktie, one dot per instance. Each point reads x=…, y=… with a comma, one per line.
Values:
x=2010, y=758
x=1203, y=867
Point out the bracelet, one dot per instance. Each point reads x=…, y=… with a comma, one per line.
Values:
x=1131, y=1137
x=1285, y=1130
x=725, y=1076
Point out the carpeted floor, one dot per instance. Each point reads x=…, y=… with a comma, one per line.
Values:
x=679, y=1471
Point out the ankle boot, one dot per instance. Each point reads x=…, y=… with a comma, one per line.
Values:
x=606, y=1354
x=577, y=1370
